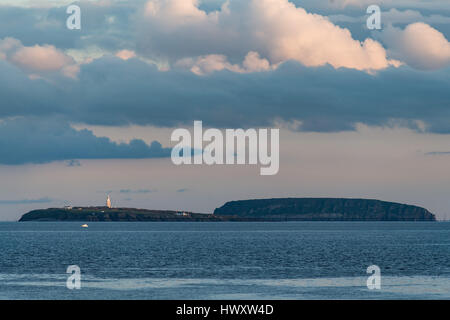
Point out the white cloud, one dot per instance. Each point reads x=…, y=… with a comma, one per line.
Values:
x=40, y=58
x=207, y=64
x=125, y=54
x=419, y=45
x=215, y=62
x=276, y=29
x=253, y=62
x=37, y=59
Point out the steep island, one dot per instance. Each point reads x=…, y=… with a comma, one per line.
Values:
x=282, y=209
x=328, y=209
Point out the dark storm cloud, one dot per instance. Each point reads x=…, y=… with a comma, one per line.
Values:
x=113, y=92
x=44, y=140
x=21, y=96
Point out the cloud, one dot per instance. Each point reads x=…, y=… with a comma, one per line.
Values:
x=25, y=201
x=277, y=30
x=207, y=64
x=394, y=16
x=409, y=16
x=360, y=3
x=419, y=45
x=114, y=92
x=73, y=163
x=40, y=58
x=46, y=140
x=125, y=54
x=171, y=30
x=426, y=4
x=214, y=62
x=108, y=27
x=135, y=191
x=37, y=59
x=133, y=92
x=438, y=153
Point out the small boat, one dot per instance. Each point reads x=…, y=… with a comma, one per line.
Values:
x=84, y=225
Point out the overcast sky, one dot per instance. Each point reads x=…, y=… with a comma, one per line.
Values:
x=85, y=113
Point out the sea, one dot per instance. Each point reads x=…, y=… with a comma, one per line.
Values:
x=224, y=260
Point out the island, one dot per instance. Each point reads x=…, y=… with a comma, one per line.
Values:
x=112, y=214
x=324, y=209
x=279, y=209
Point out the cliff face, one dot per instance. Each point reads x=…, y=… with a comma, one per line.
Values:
x=336, y=209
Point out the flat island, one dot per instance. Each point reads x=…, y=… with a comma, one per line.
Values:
x=281, y=209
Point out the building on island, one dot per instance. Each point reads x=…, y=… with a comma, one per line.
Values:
x=108, y=202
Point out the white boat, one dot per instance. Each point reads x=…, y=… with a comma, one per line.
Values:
x=84, y=225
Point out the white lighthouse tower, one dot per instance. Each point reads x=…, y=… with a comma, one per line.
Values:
x=108, y=202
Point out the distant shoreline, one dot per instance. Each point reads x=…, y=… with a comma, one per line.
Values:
x=258, y=210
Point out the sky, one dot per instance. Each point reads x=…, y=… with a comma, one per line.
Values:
x=85, y=113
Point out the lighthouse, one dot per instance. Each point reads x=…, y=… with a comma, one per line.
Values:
x=108, y=202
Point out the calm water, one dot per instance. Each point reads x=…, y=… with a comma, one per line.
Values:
x=284, y=260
